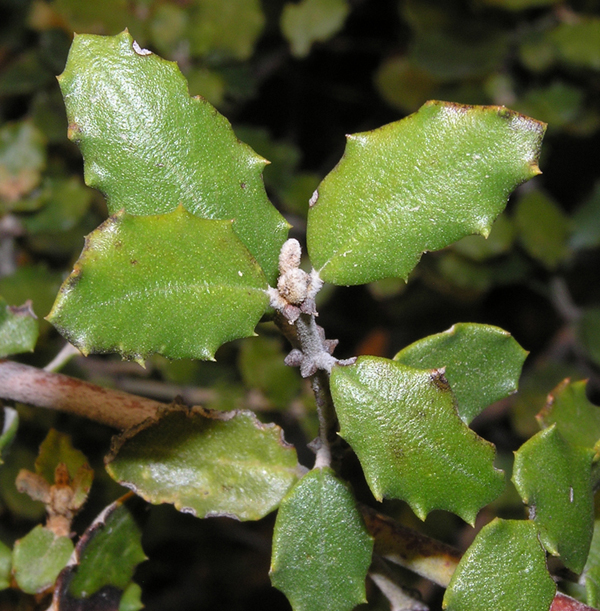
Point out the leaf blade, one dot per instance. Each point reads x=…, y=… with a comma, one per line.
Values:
x=417, y=185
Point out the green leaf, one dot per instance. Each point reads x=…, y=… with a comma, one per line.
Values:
x=416, y=185
x=108, y=553
x=38, y=558
x=321, y=548
x=206, y=463
x=481, y=363
x=586, y=222
x=261, y=363
x=67, y=201
x=504, y=569
x=231, y=27
x=554, y=479
x=591, y=572
x=58, y=448
x=403, y=425
x=18, y=328
x=173, y=283
x=132, y=598
x=577, y=42
x=499, y=242
x=150, y=147
x=577, y=419
x=558, y=104
x=310, y=21
x=588, y=332
x=5, y=566
x=519, y=5
x=10, y=424
x=543, y=228
x=105, y=17
x=22, y=158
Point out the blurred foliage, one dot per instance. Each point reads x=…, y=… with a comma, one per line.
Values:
x=293, y=78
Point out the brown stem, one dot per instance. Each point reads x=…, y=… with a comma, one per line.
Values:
x=41, y=388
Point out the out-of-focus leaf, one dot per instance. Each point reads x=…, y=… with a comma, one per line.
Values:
x=588, y=331
x=577, y=42
x=590, y=575
x=403, y=425
x=132, y=598
x=107, y=17
x=262, y=367
x=58, y=448
x=24, y=76
x=586, y=223
x=167, y=27
x=504, y=569
x=558, y=104
x=231, y=27
x=206, y=463
x=448, y=55
x=102, y=567
x=151, y=147
x=22, y=158
x=10, y=424
x=48, y=115
x=481, y=363
x=554, y=479
x=311, y=21
x=208, y=84
x=536, y=51
x=577, y=419
x=403, y=85
x=18, y=328
x=543, y=228
x=38, y=558
x=375, y=214
x=519, y=5
x=5, y=566
x=67, y=201
x=321, y=548
x=499, y=241
x=173, y=284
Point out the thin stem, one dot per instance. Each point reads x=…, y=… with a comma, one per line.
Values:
x=41, y=388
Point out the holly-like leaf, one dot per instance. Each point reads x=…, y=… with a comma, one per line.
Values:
x=504, y=569
x=150, y=147
x=38, y=558
x=174, y=284
x=105, y=559
x=321, y=548
x=416, y=185
x=206, y=463
x=310, y=21
x=554, y=479
x=590, y=575
x=577, y=419
x=481, y=363
x=403, y=425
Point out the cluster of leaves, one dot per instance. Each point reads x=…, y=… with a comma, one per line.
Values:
x=173, y=173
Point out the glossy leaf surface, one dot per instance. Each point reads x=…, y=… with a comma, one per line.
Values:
x=554, y=480
x=321, y=548
x=106, y=556
x=173, y=284
x=482, y=363
x=504, y=569
x=309, y=21
x=18, y=329
x=206, y=463
x=419, y=184
x=38, y=558
x=150, y=147
x=575, y=416
x=403, y=425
